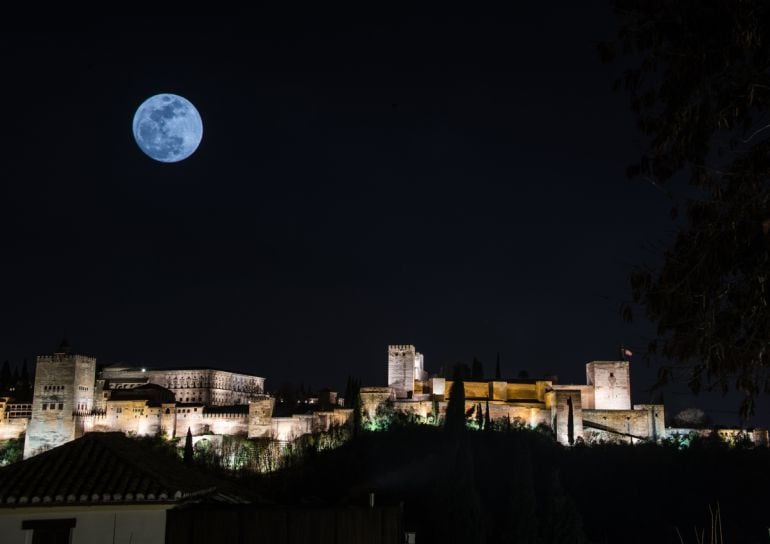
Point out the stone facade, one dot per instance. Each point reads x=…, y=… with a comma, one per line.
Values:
x=601, y=409
x=209, y=386
x=71, y=399
x=64, y=389
x=405, y=370
x=14, y=418
x=611, y=381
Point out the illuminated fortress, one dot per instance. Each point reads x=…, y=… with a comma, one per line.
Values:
x=71, y=398
x=599, y=410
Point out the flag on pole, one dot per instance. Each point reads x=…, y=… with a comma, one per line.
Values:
x=625, y=352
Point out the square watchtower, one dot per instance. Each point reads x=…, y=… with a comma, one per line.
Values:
x=64, y=388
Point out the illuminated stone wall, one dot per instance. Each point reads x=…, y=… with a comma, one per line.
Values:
x=513, y=391
x=612, y=384
x=374, y=397
x=14, y=418
x=260, y=414
x=405, y=365
x=207, y=385
x=644, y=422
x=586, y=393
x=200, y=422
x=64, y=387
x=131, y=416
x=560, y=415
x=13, y=428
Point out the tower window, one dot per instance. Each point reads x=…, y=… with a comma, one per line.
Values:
x=61, y=406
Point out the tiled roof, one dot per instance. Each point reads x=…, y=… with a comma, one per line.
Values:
x=108, y=468
x=153, y=393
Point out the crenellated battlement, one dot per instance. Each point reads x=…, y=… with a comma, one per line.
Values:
x=398, y=349
x=226, y=415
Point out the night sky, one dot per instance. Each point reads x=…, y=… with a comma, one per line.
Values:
x=457, y=183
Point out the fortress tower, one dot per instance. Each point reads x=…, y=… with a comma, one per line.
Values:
x=405, y=366
x=612, y=384
x=64, y=388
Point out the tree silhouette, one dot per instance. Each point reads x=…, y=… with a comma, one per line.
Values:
x=479, y=416
x=5, y=376
x=357, y=407
x=24, y=373
x=570, y=422
x=454, y=422
x=561, y=522
x=459, y=503
x=521, y=526
x=487, y=421
x=477, y=370
x=696, y=73
x=188, y=447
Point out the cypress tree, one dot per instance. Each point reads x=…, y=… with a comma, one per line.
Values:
x=24, y=373
x=570, y=422
x=188, y=447
x=479, y=416
x=561, y=521
x=5, y=375
x=521, y=523
x=477, y=370
x=454, y=422
x=487, y=421
x=459, y=502
x=357, y=407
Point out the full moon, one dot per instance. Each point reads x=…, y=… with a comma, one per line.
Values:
x=167, y=127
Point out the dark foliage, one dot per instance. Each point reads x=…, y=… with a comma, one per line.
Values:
x=11, y=450
x=5, y=376
x=454, y=421
x=699, y=85
x=17, y=386
x=477, y=370
x=519, y=486
x=291, y=399
x=353, y=400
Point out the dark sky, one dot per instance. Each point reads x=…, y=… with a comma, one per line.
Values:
x=453, y=182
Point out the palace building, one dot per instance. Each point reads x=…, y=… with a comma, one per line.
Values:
x=71, y=397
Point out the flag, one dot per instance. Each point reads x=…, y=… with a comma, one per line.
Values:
x=627, y=352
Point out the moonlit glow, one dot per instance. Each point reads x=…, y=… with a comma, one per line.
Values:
x=167, y=127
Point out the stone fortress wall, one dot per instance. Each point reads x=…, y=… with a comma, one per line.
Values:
x=203, y=385
x=405, y=369
x=70, y=399
x=14, y=418
x=600, y=409
x=64, y=387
